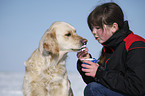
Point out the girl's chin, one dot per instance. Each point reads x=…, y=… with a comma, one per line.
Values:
x=100, y=41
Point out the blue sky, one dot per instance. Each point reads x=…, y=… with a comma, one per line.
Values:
x=23, y=22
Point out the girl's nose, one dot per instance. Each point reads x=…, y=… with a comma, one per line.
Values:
x=94, y=31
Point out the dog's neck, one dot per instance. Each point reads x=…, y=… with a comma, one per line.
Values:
x=61, y=57
x=57, y=59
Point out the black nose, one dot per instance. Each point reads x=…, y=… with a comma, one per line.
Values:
x=84, y=41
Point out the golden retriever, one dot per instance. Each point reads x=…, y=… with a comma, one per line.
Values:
x=45, y=71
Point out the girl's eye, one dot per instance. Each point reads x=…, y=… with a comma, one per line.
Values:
x=97, y=28
x=68, y=34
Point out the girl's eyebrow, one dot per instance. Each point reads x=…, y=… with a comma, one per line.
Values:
x=97, y=27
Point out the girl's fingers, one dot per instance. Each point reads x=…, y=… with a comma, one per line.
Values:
x=87, y=74
x=82, y=54
x=85, y=70
x=86, y=61
x=86, y=66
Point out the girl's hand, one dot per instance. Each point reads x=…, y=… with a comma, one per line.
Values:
x=91, y=68
x=83, y=54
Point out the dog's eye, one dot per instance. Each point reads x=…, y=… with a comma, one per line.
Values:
x=68, y=34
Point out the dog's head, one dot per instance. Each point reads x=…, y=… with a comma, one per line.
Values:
x=62, y=36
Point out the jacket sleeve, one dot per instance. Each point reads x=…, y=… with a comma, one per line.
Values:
x=87, y=79
x=133, y=80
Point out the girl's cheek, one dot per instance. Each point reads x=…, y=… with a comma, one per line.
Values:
x=99, y=32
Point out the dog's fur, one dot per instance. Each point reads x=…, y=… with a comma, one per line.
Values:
x=45, y=71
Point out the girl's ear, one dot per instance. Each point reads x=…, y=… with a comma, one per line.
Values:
x=114, y=27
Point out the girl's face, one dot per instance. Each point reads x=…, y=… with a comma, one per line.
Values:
x=102, y=35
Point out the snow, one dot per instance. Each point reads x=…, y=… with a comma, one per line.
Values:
x=11, y=84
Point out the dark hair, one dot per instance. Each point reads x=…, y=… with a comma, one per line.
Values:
x=107, y=13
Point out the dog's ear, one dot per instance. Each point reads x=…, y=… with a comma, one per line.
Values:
x=50, y=43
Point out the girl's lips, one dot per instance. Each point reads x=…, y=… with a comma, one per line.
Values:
x=96, y=38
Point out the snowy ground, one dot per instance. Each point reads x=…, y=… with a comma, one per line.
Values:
x=11, y=84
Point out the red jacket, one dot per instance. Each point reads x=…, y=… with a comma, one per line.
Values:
x=124, y=67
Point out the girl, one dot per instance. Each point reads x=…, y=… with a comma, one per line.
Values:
x=120, y=70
